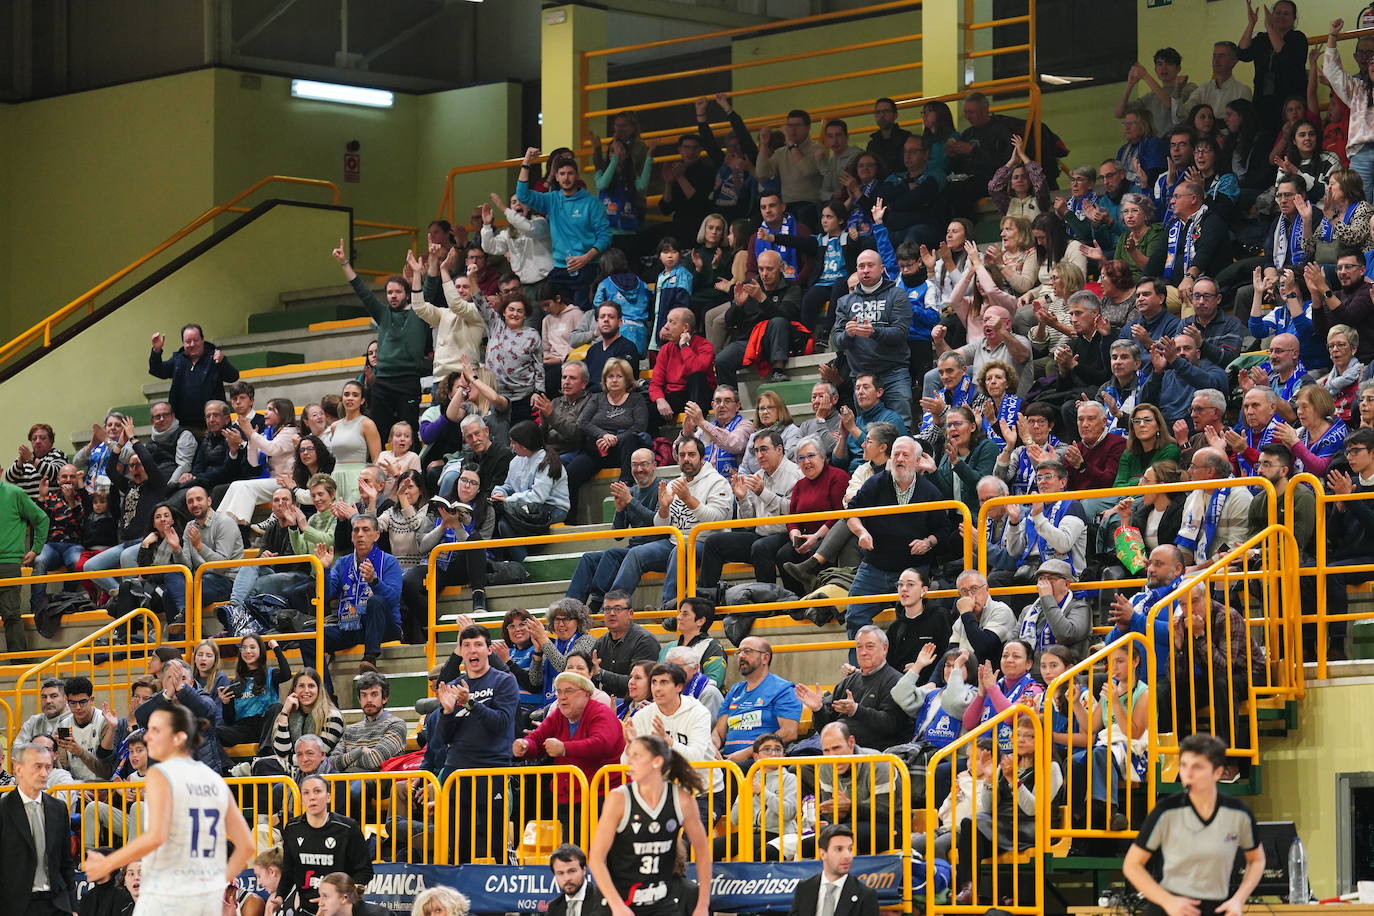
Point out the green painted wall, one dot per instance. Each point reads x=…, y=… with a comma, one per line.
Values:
x=107, y=366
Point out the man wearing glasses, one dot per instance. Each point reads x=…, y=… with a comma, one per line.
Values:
x=1283, y=372
x=1283, y=243
x=760, y=703
x=1213, y=521
x=1350, y=304
x=1217, y=334
x=1196, y=240
x=1044, y=531
x=1177, y=372
x=88, y=732
x=172, y=446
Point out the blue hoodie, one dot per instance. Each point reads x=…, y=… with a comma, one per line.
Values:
x=923, y=317
x=577, y=222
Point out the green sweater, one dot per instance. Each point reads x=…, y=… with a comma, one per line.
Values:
x=402, y=336
x=1132, y=468
x=17, y=514
x=319, y=529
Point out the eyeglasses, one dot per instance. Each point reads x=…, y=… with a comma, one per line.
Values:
x=1045, y=478
x=749, y=652
x=615, y=609
x=762, y=449
x=1141, y=421
x=80, y=703
x=808, y=457
x=1275, y=350
x=161, y=416
x=1206, y=296
x=1285, y=195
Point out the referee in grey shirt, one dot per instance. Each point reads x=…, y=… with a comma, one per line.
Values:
x=1196, y=833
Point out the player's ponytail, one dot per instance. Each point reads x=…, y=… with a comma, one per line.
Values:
x=676, y=768
x=343, y=884
x=188, y=723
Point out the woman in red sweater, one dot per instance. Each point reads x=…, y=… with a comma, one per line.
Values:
x=821, y=489
x=578, y=732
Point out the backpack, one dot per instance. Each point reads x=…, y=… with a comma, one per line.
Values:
x=253, y=616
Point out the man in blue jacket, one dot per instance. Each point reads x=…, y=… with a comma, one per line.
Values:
x=577, y=222
x=1178, y=371
x=366, y=584
x=198, y=372
x=871, y=327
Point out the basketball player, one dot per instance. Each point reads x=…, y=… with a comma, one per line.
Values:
x=191, y=820
x=635, y=847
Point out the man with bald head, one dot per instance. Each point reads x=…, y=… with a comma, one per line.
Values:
x=998, y=343
x=635, y=506
x=1258, y=417
x=1283, y=372
x=1196, y=240
x=871, y=325
x=683, y=370
x=66, y=506
x=1213, y=521
x=771, y=301
x=1177, y=371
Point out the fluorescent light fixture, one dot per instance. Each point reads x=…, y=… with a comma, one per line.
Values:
x=1064, y=80
x=336, y=92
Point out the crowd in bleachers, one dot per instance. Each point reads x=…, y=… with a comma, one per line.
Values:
x=1196, y=307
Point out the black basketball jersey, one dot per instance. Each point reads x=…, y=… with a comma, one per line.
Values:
x=643, y=857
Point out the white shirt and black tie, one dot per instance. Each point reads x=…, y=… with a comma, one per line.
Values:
x=33, y=810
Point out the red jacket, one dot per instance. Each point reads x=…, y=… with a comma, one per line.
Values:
x=824, y=493
x=599, y=741
x=675, y=363
x=1099, y=463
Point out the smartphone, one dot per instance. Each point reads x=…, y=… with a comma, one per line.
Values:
x=64, y=732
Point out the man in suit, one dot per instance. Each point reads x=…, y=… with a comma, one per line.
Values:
x=569, y=866
x=38, y=878
x=834, y=892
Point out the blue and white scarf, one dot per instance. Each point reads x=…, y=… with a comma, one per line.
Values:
x=1329, y=444
x=1288, y=241
x=1023, y=479
x=1288, y=389
x=1182, y=239
x=721, y=459
x=1198, y=534
x=1326, y=230
x=962, y=396
x=786, y=252
x=1008, y=409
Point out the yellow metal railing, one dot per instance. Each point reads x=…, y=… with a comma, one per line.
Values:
x=41, y=334
x=389, y=804
x=725, y=797
x=9, y=734
x=197, y=620
x=431, y=571
x=1026, y=861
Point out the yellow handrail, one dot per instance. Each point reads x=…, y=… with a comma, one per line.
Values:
x=197, y=628
x=44, y=328
x=9, y=734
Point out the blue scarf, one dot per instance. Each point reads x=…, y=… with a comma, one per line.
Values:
x=1023, y=480
x=963, y=396
x=1251, y=441
x=1124, y=401
x=1326, y=230
x=1207, y=531
x=1035, y=544
x=1329, y=444
x=788, y=254
x=721, y=459
x=860, y=214
x=1185, y=234
x=696, y=685
x=353, y=601
x=1008, y=409
x=1013, y=693
x=1076, y=204
x=1036, y=633
x=1287, y=244
x=1288, y=389
x=550, y=672
x=97, y=464
x=942, y=728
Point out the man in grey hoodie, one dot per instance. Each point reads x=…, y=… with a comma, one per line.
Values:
x=871, y=325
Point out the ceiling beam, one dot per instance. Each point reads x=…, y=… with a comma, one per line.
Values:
x=261, y=26
x=406, y=34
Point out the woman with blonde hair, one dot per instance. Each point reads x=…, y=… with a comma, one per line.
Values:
x=1320, y=435
x=614, y=423
x=1016, y=255
x=770, y=413
x=440, y=901
x=1342, y=343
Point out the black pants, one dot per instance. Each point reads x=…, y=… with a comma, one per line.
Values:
x=818, y=307
x=394, y=399
x=39, y=905
x=257, y=729
x=479, y=819
x=466, y=567
x=774, y=347
x=740, y=547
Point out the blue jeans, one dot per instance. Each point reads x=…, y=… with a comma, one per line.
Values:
x=377, y=626
x=251, y=580
x=868, y=580
x=595, y=573
x=896, y=385
x=214, y=587
x=120, y=556
x=56, y=555
x=656, y=556
x=1362, y=163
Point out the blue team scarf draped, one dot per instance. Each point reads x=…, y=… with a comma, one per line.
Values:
x=696, y=685
x=1252, y=441
x=1287, y=389
x=1023, y=479
x=860, y=214
x=1036, y=633
x=1182, y=239
x=1326, y=230
x=722, y=459
x=357, y=592
x=1125, y=400
x=1076, y=204
x=1035, y=543
x=1013, y=693
x=787, y=253
x=1008, y=409
x=1329, y=444
x=1207, y=531
x=964, y=393
x=1288, y=242
x=564, y=646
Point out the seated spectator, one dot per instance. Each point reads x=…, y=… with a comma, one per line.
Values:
x=956, y=389
x=275, y=446
x=38, y=460
x=288, y=532
x=771, y=301
x=761, y=494
x=609, y=344
x=213, y=463
x=1016, y=685
x=912, y=196
x=759, y=703
x=1344, y=378
x=836, y=158
x=369, y=742
x=869, y=409
x=968, y=457
x=982, y=623
x=838, y=546
x=1119, y=395
x=535, y=493
x=891, y=541
x=770, y=413
x=1212, y=521
x=1143, y=154
x=997, y=402
x=1196, y=239
x=172, y=446
x=888, y=141
x=1163, y=573
x=1152, y=320
x=713, y=262
x=405, y=523
x=936, y=702
x=686, y=721
x=99, y=455
x=162, y=547
x=52, y=713
x=561, y=417
x=820, y=488
x=857, y=794
x=998, y=343
x=1044, y=531
x=824, y=422
x=1342, y=223
x=199, y=371
x=248, y=704
x=796, y=166
x=117, y=817
x=692, y=625
x=1348, y=532
x=1275, y=465
x=1014, y=255
x=136, y=491
x=209, y=537
x=917, y=624
x=1177, y=371
x=85, y=739
x=635, y=505
x=947, y=266
x=1157, y=516
x=699, y=686
x=1208, y=411
x=66, y=505
x=775, y=792
x=1259, y=420
x=179, y=688
x=724, y=438
x=1302, y=157
x=1215, y=667
x=1140, y=243
x=1056, y=617
x=317, y=845
x=524, y=243
x=568, y=619
x=1216, y=334
x=1320, y=434
x=458, y=323
x=1093, y=460
x=1027, y=442
x=561, y=318
x=672, y=289
x=862, y=183
x=1219, y=186
x=468, y=519
x=1148, y=442
x=863, y=700
x=1176, y=169
x=684, y=370
x=624, y=643
x=614, y=423
x=490, y=459
x=366, y=584
x=579, y=733
x=957, y=806
x=623, y=287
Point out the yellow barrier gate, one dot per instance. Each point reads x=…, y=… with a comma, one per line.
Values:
x=724, y=793
x=530, y=820
x=403, y=810
x=317, y=571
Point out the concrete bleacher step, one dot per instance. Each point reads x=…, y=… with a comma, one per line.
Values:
x=298, y=299
x=302, y=317
x=266, y=359
x=320, y=341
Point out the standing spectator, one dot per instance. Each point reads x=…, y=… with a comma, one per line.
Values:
x=23, y=535
x=759, y=703
x=624, y=643
x=837, y=157
x=38, y=874
x=687, y=184
x=1223, y=86
x=36, y=461
x=403, y=340
x=458, y=329
x=795, y=165
x=1197, y=832
x=199, y=372
x=525, y=242
x=366, y=584
x=577, y=225
x=871, y=326
x=66, y=506
x=981, y=148
x=478, y=725
x=891, y=541
x=1280, y=57
x=514, y=353
x=1164, y=96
